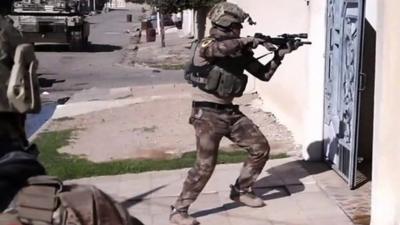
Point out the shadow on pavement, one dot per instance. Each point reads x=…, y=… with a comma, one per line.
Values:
x=267, y=189
x=35, y=121
x=47, y=83
x=138, y=198
x=65, y=48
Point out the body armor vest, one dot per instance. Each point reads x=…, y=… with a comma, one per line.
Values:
x=223, y=77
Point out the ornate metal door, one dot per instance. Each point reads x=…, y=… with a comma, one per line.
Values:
x=342, y=79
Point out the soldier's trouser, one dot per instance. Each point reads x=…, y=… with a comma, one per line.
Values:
x=210, y=126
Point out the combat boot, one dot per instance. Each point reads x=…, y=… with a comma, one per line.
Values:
x=246, y=197
x=181, y=217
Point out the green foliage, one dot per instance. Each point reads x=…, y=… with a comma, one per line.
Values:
x=136, y=1
x=195, y=4
x=67, y=166
x=173, y=6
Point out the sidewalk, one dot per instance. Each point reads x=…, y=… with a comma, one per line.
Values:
x=292, y=196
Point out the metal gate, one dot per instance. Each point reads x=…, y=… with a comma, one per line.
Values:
x=342, y=85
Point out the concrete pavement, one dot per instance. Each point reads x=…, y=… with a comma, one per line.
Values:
x=291, y=193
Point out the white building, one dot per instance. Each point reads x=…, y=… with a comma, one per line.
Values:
x=339, y=96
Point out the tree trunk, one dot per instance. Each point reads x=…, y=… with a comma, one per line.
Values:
x=162, y=30
x=201, y=17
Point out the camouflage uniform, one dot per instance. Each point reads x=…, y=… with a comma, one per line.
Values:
x=37, y=199
x=17, y=163
x=211, y=124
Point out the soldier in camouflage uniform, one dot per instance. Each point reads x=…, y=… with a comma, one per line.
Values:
x=17, y=158
x=216, y=71
x=35, y=198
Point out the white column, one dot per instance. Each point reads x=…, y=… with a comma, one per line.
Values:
x=386, y=153
x=314, y=105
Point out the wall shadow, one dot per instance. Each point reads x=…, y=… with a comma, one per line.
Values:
x=366, y=127
x=139, y=198
x=267, y=188
x=91, y=48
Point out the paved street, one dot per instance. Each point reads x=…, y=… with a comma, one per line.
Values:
x=69, y=72
x=64, y=73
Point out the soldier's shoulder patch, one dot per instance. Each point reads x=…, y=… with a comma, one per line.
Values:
x=206, y=42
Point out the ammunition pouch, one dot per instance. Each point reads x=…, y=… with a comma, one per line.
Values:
x=224, y=84
x=46, y=200
x=214, y=79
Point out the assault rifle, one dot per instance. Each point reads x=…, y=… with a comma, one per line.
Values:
x=283, y=39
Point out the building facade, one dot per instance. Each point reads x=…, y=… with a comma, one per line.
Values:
x=338, y=96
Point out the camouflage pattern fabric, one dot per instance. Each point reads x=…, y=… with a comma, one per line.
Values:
x=10, y=38
x=210, y=126
x=45, y=200
x=234, y=55
x=225, y=13
x=17, y=159
x=224, y=47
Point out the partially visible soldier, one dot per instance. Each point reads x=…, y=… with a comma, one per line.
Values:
x=34, y=197
x=216, y=72
x=17, y=97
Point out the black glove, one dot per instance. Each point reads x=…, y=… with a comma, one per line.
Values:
x=290, y=46
x=251, y=41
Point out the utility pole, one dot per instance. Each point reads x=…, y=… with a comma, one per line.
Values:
x=162, y=30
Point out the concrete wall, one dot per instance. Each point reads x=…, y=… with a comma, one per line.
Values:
x=386, y=156
x=117, y=4
x=295, y=93
x=188, y=27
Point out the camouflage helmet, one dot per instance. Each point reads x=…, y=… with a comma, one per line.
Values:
x=224, y=14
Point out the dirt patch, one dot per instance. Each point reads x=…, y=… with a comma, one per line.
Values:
x=158, y=128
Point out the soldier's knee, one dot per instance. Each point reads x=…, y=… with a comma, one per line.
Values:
x=202, y=169
x=206, y=168
x=262, y=149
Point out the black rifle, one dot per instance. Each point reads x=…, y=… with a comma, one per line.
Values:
x=283, y=39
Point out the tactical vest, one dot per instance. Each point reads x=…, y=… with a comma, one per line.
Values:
x=47, y=201
x=223, y=78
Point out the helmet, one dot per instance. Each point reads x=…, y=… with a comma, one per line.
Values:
x=224, y=14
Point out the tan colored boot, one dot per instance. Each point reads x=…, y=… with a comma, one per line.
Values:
x=246, y=197
x=181, y=217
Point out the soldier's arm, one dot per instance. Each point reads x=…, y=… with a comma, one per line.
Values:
x=211, y=48
x=10, y=38
x=263, y=72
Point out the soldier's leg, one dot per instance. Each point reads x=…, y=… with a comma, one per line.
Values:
x=207, y=141
x=247, y=135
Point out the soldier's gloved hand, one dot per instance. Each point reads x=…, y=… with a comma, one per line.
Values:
x=251, y=41
x=269, y=46
x=290, y=46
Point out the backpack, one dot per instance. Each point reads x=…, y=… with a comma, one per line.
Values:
x=47, y=201
x=15, y=169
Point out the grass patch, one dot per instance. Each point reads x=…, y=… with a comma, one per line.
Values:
x=67, y=166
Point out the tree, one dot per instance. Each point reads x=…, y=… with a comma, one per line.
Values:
x=173, y=6
x=202, y=7
x=196, y=4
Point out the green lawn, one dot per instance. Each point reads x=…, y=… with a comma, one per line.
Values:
x=67, y=166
